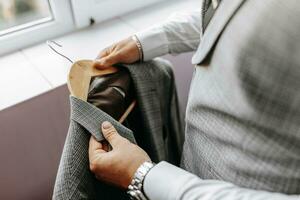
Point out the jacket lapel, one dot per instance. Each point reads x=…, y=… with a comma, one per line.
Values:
x=146, y=78
x=217, y=24
x=90, y=117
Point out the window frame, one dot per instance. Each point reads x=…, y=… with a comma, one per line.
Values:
x=95, y=11
x=61, y=23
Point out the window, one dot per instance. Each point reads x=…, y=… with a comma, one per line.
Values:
x=17, y=15
x=26, y=22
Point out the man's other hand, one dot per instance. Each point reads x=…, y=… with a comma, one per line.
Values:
x=117, y=166
x=125, y=51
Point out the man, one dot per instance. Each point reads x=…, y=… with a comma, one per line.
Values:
x=243, y=114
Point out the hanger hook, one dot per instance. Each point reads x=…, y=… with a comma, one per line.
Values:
x=51, y=42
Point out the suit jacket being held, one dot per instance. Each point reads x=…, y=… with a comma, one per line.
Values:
x=155, y=125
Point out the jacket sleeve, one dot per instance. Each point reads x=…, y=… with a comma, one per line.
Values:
x=180, y=33
x=167, y=182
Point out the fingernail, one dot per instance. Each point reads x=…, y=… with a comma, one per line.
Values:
x=106, y=125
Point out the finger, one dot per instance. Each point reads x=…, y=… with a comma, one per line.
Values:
x=105, y=145
x=105, y=62
x=97, y=62
x=95, y=146
x=111, y=134
x=102, y=54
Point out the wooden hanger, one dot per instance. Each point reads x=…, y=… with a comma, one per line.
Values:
x=80, y=76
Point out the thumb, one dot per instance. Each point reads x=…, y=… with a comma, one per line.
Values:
x=111, y=134
x=105, y=62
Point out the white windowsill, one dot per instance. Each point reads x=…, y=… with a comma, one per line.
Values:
x=35, y=70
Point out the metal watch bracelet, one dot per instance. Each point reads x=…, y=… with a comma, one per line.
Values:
x=135, y=189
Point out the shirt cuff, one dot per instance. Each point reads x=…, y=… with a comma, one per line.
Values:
x=154, y=43
x=164, y=181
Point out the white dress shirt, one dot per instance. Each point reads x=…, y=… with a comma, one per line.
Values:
x=181, y=33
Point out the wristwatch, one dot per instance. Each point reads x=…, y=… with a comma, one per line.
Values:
x=135, y=189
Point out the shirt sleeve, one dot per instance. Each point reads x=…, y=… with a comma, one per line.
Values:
x=180, y=33
x=168, y=182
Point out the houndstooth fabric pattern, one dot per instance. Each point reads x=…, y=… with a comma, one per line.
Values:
x=74, y=180
x=243, y=116
x=155, y=87
x=89, y=117
x=161, y=133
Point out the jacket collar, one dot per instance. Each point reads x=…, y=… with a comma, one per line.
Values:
x=221, y=18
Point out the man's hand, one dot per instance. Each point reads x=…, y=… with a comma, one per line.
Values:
x=125, y=51
x=117, y=166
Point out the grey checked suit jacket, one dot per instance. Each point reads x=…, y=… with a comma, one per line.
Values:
x=243, y=115
x=159, y=132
